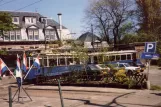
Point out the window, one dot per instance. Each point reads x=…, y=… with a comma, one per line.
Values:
x=18, y=35
x=36, y=35
x=33, y=34
x=12, y=35
x=128, y=56
x=30, y=20
x=15, y=20
x=30, y=33
x=50, y=34
x=6, y=36
x=121, y=65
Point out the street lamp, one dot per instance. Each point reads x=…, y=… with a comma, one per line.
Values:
x=92, y=37
x=44, y=22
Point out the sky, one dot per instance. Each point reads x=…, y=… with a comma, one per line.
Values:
x=72, y=11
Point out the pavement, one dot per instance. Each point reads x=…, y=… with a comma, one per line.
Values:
x=48, y=96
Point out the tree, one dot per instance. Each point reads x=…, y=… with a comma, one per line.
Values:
x=108, y=16
x=149, y=16
x=5, y=22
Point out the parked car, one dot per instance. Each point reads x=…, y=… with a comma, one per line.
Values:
x=128, y=68
x=138, y=63
x=104, y=68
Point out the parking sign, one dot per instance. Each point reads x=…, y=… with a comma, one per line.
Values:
x=150, y=47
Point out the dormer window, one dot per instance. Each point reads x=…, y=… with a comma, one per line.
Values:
x=15, y=20
x=30, y=20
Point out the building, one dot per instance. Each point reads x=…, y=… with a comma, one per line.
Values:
x=90, y=40
x=33, y=32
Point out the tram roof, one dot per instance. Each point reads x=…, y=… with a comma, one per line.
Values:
x=96, y=53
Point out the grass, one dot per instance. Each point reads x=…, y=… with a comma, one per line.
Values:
x=156, y=87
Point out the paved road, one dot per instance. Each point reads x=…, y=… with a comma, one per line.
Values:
x=50, y=98
x=155, y=75
x=93, y=97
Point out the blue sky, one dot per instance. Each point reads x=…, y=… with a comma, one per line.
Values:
x=72, y=11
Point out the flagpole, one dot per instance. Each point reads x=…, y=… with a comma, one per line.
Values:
x=28, y=72
x=9, y=69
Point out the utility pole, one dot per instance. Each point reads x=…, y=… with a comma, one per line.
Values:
x=92, y=37
x=44, y=21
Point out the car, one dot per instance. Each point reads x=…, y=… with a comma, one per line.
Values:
x=105, y=69
x=138, y=63
x=128, y=68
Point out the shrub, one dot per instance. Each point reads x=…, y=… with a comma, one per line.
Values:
x=120, y=76
x=155, y=87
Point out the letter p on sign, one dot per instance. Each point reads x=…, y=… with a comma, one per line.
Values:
x=150, y=47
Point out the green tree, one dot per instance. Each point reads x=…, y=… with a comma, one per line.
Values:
x=149, y=17
x=108, y=16
x=5, y=22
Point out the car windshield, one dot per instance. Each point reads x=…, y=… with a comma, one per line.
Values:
x=127, y=65
x=102, y=65
x=93, y=67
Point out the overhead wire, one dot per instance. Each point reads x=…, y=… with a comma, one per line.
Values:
x=7, y=2
x=28, y=5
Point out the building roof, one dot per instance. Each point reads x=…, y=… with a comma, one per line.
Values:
x=88, y=37
x=22, y=24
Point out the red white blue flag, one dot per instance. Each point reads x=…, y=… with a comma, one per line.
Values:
x=24, y=64
x=37, y=62
x=3, y=67
x=18, y=64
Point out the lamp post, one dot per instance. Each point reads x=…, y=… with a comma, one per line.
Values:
x=44, y=21
x=92, y=37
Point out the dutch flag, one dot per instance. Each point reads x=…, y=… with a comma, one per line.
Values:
x=18, y=64
x=37, y=62
x=3, y=67
x=24, y=64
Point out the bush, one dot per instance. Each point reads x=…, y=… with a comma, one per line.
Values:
x=120, y=76
x=155, y=87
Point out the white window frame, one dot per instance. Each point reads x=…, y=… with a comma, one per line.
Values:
x=12, y=33
x=36, y=33
x=49, y=33
x=33, y=33
x=13, y=21
x=52, y=34
x=18, y=33
x=30, y=20
x=30, y=34
x=6, y=34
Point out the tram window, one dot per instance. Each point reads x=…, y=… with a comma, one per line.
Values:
x=113, y=58
x=123, y=57
x=128, y=56
x=45, y=62
x=117, y=57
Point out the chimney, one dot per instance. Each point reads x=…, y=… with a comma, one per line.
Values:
x=60, y=23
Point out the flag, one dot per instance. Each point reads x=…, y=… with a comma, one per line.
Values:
x=3, y=67
x=24, y=64
x=18, y=64
x=37, y=62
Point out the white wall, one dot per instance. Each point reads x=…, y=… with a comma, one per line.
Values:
x=41, y=34
x=65, y=34
x=24, y=34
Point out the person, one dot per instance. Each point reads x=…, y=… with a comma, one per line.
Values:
x=18, y=75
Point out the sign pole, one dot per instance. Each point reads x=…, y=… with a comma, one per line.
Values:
x=148, y=82
x=10, y=96
x=60, y=93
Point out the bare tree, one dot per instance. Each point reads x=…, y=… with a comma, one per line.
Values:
x=108, y=16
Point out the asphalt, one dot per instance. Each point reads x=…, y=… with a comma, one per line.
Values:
x=97, y=96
